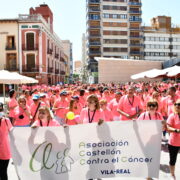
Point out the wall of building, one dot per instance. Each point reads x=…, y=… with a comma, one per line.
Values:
x=120, y=70
x=7, y=28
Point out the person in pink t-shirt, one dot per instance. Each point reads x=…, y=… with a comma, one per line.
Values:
x=173, y=126
x=92, y=113
x=113, y=106
x=129, y=106
x=152, y=112
x=44, y=118
x=28, y=98
x=108, y=116
x=5, y=154
x=60, y=106
x=22, y=114
x=12, y=104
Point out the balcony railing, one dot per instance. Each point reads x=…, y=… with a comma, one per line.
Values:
x=94, y=1
x=57, y=71
x=50, y=69
x=26, y=47
x=94, y=27
x=136, y=37
x=56, y=56
x=93, y=10
x=62, y=72
x=135, y=20
x=30, y=68
x=136, y=45
x=135, y=12
x=135, y=29
x=94, y=43
x=62, y=59
x=136, y=53
x=49, y=51
x=94, y=53
x=11, y=68
x=135, y=4
x=10, y=48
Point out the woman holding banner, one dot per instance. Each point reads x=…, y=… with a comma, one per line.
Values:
x=44, y=118
x=173, y=126
x=5, y=155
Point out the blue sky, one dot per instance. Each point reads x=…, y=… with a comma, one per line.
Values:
x=70, y=15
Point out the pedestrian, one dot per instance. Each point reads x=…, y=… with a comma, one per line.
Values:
x=5, y=155
x=173, y=126
x=44, y=118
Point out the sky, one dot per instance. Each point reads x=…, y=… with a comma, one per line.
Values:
x=70, y=15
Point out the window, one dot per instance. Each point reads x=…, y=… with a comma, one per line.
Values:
x=30, y=61
x=11, y=62
x=30, y=41
x=10, y=42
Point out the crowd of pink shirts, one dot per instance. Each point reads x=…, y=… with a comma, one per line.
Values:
x=115, y=96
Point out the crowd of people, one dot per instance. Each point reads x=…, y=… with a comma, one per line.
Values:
x=43, y=105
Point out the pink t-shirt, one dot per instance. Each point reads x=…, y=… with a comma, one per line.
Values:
x=11, y=104
x=84, y=118
x=5, y=127
x=129, y=106
x=52, y=122
x=61, y=112
x=108, y=116
x=174, y=121
x=146, y=116
x=19, y=120
x=113, y=105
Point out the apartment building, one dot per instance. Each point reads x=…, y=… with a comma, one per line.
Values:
x=31, y=47
x=67, y=46
x=113, y=30
x=161, y=40
x=9, y=58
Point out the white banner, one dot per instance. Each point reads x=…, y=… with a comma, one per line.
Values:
x=130, y=148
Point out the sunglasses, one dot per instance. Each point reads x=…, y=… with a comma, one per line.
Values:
x=177, y=104
x=152, y=105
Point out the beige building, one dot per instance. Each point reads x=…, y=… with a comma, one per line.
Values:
x=161, y=40
x=120, y=70
x=9, y=44
x=77, y=67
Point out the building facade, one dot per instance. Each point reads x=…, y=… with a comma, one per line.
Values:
x=161, y=40
x=39, y=52
x=67, y=46
x=9, y=44
x=113, y=30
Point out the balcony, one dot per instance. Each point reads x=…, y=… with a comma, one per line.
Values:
x=94, y=43
x=49, y=51
x=135, y=12
x=56, y=56
x=136, y=53
x=30, y=69
x=94, y=1
x=93, y=10
x=136, y=37
x=10, y=48
x=135, y=29
x=11, y=68
x=136, y=45
x=62, y=72
x=135, y=4
x=26, y=47
x=62, y=59
x=94, y=35
x=94, y=27
x=135, y=20
x=50, y=69
x=57, y=71
x=94, y=53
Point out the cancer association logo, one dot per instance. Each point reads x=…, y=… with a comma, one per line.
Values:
x=62, y=164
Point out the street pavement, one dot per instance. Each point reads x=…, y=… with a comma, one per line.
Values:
x=163, y=171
